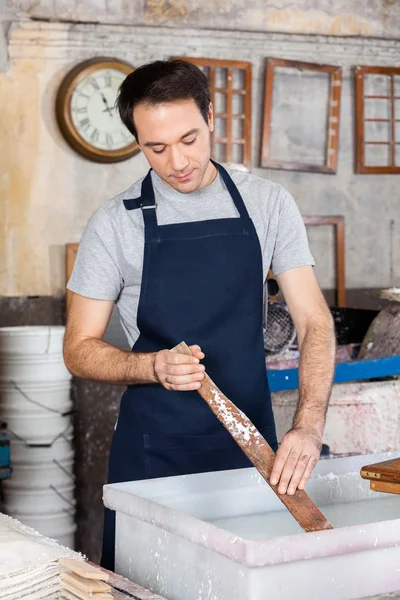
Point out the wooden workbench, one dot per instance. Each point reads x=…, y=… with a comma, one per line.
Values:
x=124, y=589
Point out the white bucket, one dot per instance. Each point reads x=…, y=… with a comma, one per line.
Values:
x=67, y=538
x=51, y=525
x=50, y=500
x=36, y=428
x=35, y=340
x=27, y=455
x=25, y=367
x=41, y=475
x=35, y=396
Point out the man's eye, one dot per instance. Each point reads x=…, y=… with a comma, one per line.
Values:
x=190, y=143
x=159, y=151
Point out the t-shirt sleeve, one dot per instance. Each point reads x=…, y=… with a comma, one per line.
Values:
x=96, y=273
x=291, y=246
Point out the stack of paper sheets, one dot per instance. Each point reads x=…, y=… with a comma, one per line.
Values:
x=28, y=562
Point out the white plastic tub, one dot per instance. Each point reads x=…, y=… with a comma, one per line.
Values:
x=36, y=428
x=67, y=537
x=32, y=339
x=51, y=525
x=35, y=502
x=41, y=475
x=35, y=396
x=46, y=367
x=28, y=455
x=226, y=536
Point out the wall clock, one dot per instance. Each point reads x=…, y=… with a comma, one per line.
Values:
x=86, y=114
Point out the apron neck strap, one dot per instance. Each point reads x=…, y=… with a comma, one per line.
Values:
x=232, y=189
x=148, y=202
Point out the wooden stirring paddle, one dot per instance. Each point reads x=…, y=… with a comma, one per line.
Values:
x=258, y=451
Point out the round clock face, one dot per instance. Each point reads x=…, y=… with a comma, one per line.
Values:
x=87, y=114
x=93, y=110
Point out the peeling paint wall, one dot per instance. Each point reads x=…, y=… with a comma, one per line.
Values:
x=48, y=191
x=378, y=18
x=7, y=15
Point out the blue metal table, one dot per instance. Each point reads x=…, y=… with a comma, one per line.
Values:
x=355, y=370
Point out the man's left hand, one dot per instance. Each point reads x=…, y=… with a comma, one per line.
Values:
x=297, y=456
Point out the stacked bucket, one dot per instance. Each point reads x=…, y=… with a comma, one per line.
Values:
x=35, y=402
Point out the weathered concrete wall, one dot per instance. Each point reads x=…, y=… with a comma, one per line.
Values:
x=362, y=418
x=48, y=191
x=7, y=15
x=377, y=18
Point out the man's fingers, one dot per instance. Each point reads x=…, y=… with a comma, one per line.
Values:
x=183, y=369
x=197, y=352
x=288, y=471
x=184, y=388
x=184, y=379
x=280, y=461
x=309, y=469
x=298, y=473
x=177, y=371
x=176, y=358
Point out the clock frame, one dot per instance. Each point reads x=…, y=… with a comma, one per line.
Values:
x=64, y=111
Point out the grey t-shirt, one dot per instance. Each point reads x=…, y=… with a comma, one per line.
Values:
x=109, y=261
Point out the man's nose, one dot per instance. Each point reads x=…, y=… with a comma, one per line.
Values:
x=178, y=160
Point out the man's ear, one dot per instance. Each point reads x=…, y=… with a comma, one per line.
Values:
x=210, y=117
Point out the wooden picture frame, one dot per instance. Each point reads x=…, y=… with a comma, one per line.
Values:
x=230, y=140
x=338, y=223
x=392, y=96
x=333, y=122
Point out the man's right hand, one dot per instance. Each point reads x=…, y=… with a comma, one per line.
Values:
x=177, y=371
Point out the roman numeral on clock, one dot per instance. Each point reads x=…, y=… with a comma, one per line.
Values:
x=94, y=135
x=82, y=109
x=84, y=124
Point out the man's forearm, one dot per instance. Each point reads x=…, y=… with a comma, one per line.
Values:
x=97, y=360
x=316, y=371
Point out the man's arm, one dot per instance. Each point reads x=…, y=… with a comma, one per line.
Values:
x=300, y=448
x=86, y=355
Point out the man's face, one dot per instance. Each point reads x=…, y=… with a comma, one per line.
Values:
x=176, y=141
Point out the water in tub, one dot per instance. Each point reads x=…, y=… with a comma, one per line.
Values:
x=258, y=526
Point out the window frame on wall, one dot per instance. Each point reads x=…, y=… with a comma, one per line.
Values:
x=361, y=167
x=337, y=221
x=230, y=65
x=333, y=121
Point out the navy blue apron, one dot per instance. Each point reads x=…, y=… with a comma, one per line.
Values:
x=202, y=282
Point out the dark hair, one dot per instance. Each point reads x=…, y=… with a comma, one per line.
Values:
x=159, y=82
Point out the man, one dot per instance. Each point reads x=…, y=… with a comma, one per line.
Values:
x=184, y=253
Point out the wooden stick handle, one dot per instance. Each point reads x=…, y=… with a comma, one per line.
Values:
x=258, y=451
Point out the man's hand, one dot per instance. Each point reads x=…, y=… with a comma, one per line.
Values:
x=296, y=458
x=177, y=371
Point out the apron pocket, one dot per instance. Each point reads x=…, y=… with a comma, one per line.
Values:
x=168, y=455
